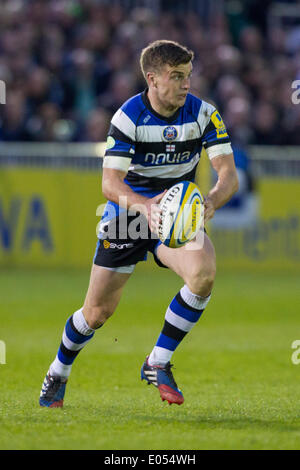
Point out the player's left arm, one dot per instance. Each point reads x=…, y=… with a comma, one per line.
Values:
x=227, y=184
x=216, y=142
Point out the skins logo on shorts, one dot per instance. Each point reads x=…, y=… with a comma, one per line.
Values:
x=121, y=246
x=170, y=133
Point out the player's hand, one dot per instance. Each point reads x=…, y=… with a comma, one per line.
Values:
x=209, y=209
x=154, y=211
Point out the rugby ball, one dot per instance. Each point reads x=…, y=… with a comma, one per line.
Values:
x=182, y=214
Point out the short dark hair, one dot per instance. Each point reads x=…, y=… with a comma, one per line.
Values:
x=162, y=52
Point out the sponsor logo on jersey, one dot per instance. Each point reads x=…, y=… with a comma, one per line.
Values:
x=120, y=246
x=167, y=158
x=219, y=125
x=170, y=133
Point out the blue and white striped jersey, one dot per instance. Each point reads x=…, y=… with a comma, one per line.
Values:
x=157, y=152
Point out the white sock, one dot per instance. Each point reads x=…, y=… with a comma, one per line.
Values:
x=159, y=356
x=82, y=329
x=193, y=300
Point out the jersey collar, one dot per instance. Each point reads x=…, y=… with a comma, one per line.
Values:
x=147, y=103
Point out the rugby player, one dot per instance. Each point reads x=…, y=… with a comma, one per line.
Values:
x=154, y=141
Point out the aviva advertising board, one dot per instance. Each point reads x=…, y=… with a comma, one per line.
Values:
x=273, y=241
x=48, y=218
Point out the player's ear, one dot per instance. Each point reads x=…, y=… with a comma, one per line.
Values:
x=151, y=79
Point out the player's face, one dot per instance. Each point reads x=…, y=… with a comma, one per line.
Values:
x=172, y=85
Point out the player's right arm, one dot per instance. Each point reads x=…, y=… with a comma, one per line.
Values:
x=114, y=189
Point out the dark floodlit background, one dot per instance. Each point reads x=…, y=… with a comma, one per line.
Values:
x=69, y=64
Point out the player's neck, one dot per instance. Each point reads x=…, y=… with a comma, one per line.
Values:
x=158, y=106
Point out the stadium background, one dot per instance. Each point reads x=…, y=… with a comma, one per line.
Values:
x=68, y=65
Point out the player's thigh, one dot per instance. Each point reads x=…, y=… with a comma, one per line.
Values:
x=105, y=289
x=196, y=259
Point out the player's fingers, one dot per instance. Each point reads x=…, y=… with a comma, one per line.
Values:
x=154, y=227
x=155, y=219
x=159, y=197
x=155, y=209
x=155, y=212
x=208, y=214
x=155, y=215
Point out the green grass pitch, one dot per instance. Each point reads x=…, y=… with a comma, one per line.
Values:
x=240, y=386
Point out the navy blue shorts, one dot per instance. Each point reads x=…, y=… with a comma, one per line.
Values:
x=116, y=251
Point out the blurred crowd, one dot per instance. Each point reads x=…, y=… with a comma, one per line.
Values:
x=69, y=64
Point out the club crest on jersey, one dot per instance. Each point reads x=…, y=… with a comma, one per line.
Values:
x=170, y=133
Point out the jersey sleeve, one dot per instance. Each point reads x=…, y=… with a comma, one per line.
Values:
x=120, y=146
x=215, y=138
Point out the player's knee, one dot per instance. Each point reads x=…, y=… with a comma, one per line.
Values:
x=96, y=316
x=201, y=281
